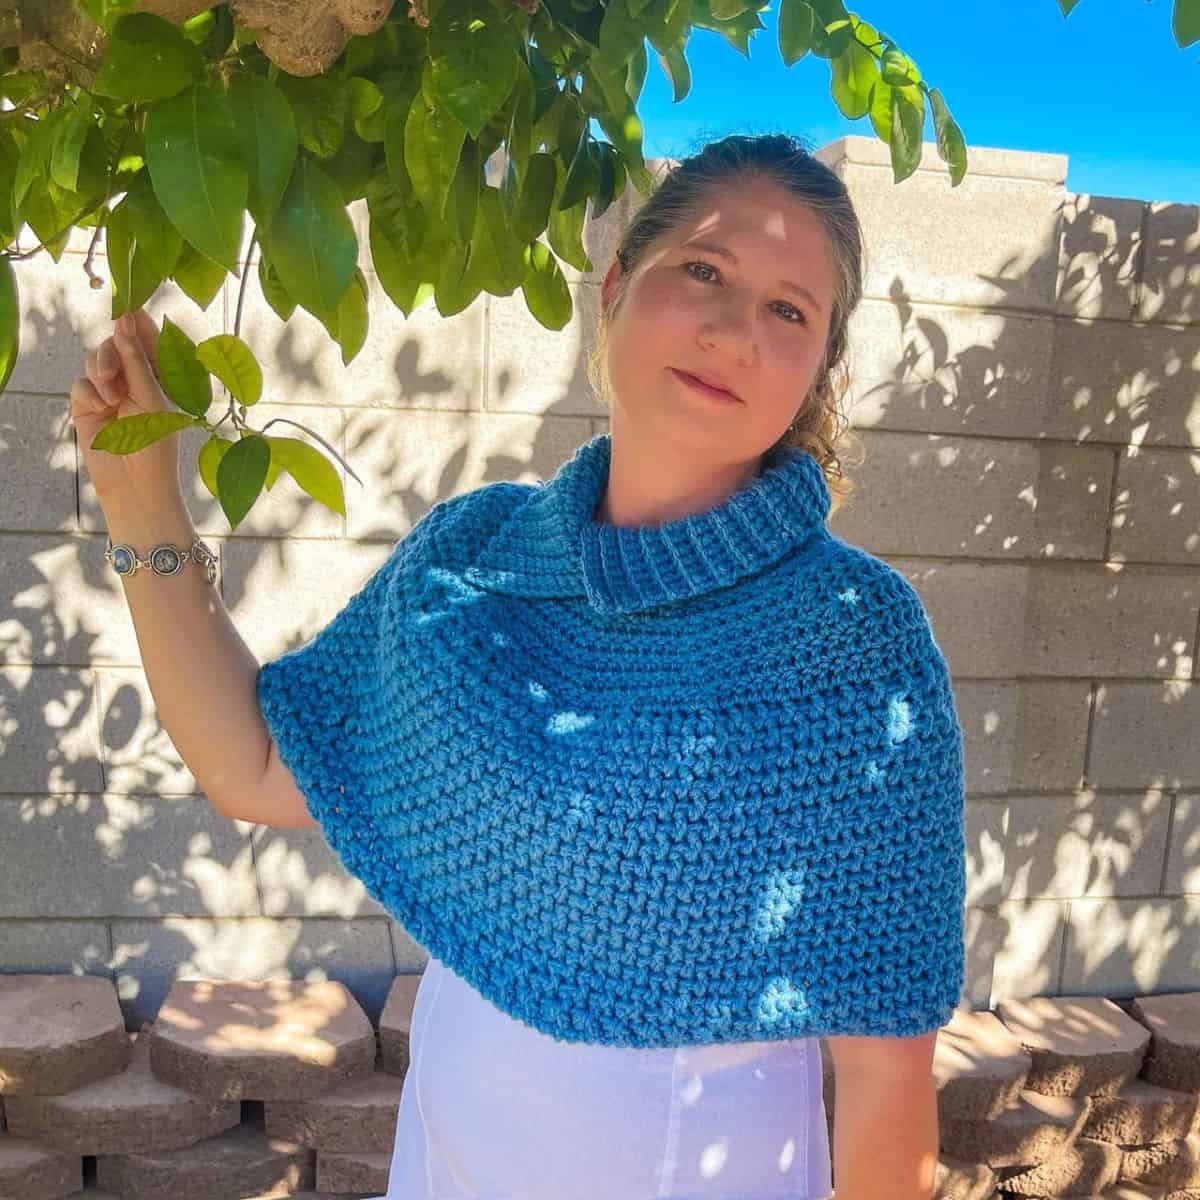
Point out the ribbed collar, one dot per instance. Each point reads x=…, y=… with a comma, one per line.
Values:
x=551, y=546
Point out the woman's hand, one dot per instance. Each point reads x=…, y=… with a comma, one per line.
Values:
x=120, y=380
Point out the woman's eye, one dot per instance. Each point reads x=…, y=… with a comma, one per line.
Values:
x=803, y=320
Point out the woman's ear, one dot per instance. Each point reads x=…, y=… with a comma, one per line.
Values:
x=609, y=285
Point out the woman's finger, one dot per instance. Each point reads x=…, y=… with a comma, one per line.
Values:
x=85, y=398
x=143, y=383
x=108, y=361
x=148, y=334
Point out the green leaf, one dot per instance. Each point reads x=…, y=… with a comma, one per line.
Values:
x=620, y=34
x=311, y=241
x=397, y=273
x=69, y=140
x=455, y=289
x=348, y=325
x=580, y=177
x=463, y=200
x=854, y=75
x=675, y=66
x=310, y=469
x=158, y=241
x=497, y=255
x=321, y=104
x=545, y=290
x=229, y=358
x=532, y=213
x=366, y=108
x=183, y=376
x=198, y=276
x=273, y=290
x=35, y=153
x=433, y=142
x=127, y=435
x=148, y=58
x=240, y=476
x=269, y=142
x=908, y=122
x=565, y=230
x=351, y=168
x=1185, y=22
x=10, y=321
x=898, y=69
x=950, y=143
x=193, y=150
x=209, y=460
x=398, y=212
x=474, y=57
x=134, y=280
x=797, y=28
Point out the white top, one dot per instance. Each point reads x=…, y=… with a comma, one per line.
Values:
x=493, y=1109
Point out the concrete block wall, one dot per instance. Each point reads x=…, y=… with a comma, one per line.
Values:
x=1026, y=368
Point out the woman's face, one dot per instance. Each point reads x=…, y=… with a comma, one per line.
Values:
x=691, y=309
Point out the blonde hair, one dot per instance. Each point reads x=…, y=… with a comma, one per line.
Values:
x=821, y=426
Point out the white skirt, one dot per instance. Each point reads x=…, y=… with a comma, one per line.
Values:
x=492, y=1109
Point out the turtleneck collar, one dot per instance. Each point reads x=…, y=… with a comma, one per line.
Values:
x=552, y=546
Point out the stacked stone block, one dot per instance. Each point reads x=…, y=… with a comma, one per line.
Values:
x=252, y=1091
x=236, y=1091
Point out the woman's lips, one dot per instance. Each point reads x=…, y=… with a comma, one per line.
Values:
x=700, y=385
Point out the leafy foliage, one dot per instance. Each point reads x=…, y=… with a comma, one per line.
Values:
x=177, y=133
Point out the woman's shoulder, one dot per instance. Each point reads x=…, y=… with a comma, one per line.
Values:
x=869, y=603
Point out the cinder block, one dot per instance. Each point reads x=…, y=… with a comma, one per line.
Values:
x=132, y=856
x=1099, y=256
x=948, y=369
x=1122, y=383
x=1170, y=288
x=977, y=498
x=1156, y=510
x=532, y=369
x=39, y=465
x=42, y=758
x=445, y=454
x=1183, y=854
x=1144, y=735
x=299, y=875
x=422, y=361
x=992, y=240
x=1084, y=845
x=1111, y=944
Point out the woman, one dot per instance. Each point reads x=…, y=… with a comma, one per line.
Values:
x=665, y=777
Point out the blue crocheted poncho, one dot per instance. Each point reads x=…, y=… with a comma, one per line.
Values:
x=654, y=786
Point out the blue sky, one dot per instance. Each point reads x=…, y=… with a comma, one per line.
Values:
x=1106, y=86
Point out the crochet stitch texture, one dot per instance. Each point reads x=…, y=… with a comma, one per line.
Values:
x=654, y=786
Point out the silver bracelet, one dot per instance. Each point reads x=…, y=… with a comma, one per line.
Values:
x=165, y=559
